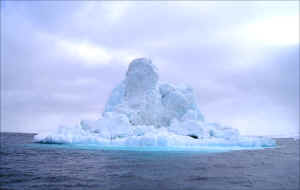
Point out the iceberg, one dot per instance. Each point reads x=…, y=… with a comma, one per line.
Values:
x=144, y=112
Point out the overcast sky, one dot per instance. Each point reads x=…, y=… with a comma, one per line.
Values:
x=60, y=60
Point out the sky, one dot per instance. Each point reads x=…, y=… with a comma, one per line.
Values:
x=60, y=60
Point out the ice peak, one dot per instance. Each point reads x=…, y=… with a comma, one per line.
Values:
x=146, y=101
x=142, y=67
x=141, y=76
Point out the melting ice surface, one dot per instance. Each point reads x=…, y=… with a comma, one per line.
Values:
x=144, y=113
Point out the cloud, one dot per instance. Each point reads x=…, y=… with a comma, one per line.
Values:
x=95, y=54
x=60, y=60
x=278, y=30
x=90, y=53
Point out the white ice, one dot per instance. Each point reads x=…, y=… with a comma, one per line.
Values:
x=142, y=111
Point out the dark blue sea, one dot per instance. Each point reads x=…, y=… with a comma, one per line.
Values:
x=26, y=165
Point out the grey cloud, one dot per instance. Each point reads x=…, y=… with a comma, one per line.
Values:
x=41, y=81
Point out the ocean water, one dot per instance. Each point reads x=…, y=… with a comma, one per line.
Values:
x=26, y=165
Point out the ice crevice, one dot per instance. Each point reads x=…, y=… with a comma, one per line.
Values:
x=142, y=111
